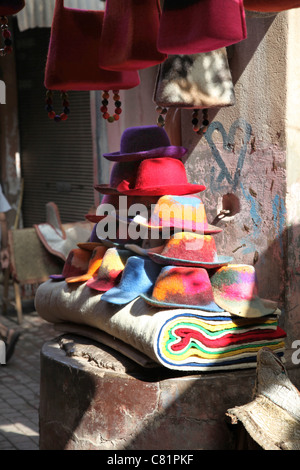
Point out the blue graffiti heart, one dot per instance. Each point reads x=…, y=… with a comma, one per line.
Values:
x=228, y=144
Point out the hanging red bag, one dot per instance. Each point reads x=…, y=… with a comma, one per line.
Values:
x=270, y=5
x=194, y=26
x=7, y=8
x=72, y=61
x=129, y=35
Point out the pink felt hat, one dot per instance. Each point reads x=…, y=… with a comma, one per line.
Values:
x=235, y=289
x=183, y=287
x=110, y=271
x=159, y=176
x=76, y=264
x=139, y=143
x=183, y=213
x=189, y=249
x=93, y=266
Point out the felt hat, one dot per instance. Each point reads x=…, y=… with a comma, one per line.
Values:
x=183, y=287
x=139, y=143
x=94, y=264
x=235, y=289
x=184, y=213
x=139, y=276
x=76, y=264
x=122, y=177
x=113, y=200
x=110, y=271
x=189, y=249
x=159, y=176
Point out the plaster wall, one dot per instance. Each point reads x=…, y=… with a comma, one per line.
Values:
x=247, y=159
x=293, y=178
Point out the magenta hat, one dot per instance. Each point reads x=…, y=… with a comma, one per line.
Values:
x=139, y=143
x=159, y=176
x=189, y=249
x=110, y=271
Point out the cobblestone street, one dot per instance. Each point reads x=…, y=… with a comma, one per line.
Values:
x=19, y=382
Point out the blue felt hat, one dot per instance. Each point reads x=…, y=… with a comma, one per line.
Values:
x=138, y=277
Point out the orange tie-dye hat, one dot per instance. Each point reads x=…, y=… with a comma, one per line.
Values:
x=183, y=287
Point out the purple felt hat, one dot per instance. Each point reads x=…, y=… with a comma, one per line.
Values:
x=139, y=143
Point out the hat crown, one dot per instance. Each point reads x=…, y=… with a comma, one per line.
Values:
x=113, y=262
x=182, y=285
x=138, y=271
x=235, y=281
x=76, y=263
x=141, y=139
x=191, y=246
x=123, y=174
x=155, y=172
x=185, y=212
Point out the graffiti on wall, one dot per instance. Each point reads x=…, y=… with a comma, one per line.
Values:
x=229, y=145
x=224, y=180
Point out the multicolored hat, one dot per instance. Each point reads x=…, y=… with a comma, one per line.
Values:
x=183, y=287
x=139, y=143
x=110, y=271
x=76, y=264
x=159, y=176
x=235, y=289
x=138, y=277
x=185, y=213
x=189, y=249
x=94, y=264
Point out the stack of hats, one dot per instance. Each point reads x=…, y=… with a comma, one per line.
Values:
x=177, y=265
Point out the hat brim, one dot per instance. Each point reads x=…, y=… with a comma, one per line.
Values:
x=211, y=307
x=75, y=279
x=169, y=151
x=57, y=277
x=172, y=190
x=209, y=229
x=106, y=189
x=94, y=217
x=89, y=246
x=118, y=297
x=253, y=308
x=160, y=259
x=102, y=285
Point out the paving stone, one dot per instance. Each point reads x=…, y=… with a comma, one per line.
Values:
x=20, y=383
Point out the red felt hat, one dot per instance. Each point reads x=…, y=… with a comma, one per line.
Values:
x=76, y=264
x=159, y=176
x=193, y=26
x=128, y=40
x=72, y=61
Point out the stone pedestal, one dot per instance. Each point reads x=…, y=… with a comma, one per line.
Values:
x=93, y=398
